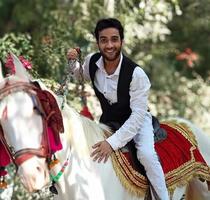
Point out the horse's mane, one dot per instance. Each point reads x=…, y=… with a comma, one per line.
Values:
x=93, y=130
x=82, y=132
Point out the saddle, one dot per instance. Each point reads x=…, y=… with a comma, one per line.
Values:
x=159, y=133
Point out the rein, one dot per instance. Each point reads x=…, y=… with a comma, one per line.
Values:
x=18, y=157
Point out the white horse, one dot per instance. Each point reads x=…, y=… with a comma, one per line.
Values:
x=82, y=178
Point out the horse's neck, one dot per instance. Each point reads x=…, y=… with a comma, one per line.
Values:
x=83, y=178
x=74, y=139
x=79, y=176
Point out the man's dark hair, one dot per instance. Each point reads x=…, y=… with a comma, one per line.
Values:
x=108, y=23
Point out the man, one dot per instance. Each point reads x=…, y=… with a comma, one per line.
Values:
x=122, y=88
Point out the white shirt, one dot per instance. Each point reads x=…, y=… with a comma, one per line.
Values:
x=139, y=91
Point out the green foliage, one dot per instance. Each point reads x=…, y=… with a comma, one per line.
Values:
x=179, y=96
x=190, y=29
x=19, y=44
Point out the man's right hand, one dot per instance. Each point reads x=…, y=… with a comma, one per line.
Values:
x=73, y=54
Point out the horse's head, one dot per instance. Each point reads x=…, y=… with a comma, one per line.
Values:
x=22, y=128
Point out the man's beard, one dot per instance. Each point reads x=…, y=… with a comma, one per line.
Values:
x=112, y=58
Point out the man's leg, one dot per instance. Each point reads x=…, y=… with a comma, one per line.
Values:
x=144, y=142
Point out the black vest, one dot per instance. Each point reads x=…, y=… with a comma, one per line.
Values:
x=120, y=111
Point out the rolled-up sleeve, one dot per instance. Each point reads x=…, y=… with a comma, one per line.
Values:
x=139, y=91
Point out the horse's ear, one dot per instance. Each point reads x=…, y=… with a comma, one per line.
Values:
x=20, y=70
x=1, y=74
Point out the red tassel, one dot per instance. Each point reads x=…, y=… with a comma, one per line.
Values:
x=85, y=112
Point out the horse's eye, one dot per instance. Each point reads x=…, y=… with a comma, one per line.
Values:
x=36, y=110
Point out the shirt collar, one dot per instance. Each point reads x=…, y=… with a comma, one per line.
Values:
x=100, y=65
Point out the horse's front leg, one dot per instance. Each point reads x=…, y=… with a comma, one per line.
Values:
x=178, y=193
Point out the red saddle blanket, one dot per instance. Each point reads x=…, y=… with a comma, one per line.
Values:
x=179, y=157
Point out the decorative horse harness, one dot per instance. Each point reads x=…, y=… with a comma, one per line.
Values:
x=44, y=103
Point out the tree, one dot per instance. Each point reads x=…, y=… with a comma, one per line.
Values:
x=190, y=29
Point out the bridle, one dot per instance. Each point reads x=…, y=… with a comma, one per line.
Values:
x=20, y=156
x=45, y=151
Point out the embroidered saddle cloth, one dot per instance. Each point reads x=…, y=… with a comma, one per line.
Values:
x=179, y=157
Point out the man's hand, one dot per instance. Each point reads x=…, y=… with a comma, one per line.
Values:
x=102, y=150
x=72, y=54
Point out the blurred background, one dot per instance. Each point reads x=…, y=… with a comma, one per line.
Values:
x=169, y=39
